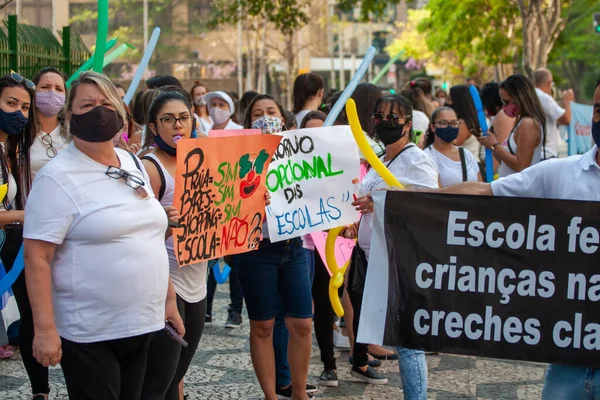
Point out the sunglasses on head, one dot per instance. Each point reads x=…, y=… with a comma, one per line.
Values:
x=19, y=79
x=378, y=118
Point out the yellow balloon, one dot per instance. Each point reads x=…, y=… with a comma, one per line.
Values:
x=337, y=275
x=3, y=191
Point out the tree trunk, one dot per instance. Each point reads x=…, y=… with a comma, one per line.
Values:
x=262, y=67
x=291, y=69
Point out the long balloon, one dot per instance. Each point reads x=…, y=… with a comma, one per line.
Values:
x=489, y=160
x=386, y=67
x=101, y=35
x=360, y=72
x=12, y=275
x=90, y=61
x=116, y=53
x=143, y=65
x=337, y=275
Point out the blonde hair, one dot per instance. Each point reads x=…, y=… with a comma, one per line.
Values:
x=105, y=85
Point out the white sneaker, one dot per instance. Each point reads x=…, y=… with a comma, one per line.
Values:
x=340, y=341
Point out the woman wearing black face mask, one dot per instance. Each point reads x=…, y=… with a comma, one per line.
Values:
x=92, y=215
x=454, y=164
x=411, y=166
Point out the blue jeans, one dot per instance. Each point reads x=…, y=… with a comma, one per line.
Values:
x=413, y=371
x=572, y=383
x=281, y=335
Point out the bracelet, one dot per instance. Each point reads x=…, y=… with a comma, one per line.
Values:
x=494, y=147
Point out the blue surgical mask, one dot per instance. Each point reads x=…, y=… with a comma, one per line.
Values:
x=12, y=123
x=447, y=134
x=596, y=132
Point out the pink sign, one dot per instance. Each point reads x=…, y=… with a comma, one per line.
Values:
x=233, y=132
x=343, y=249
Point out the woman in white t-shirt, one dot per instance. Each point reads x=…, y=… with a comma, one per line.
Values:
x=51, y=134
x=171, y=119
x=454, y=164
x=526, y=143
x=203, y=121
x=411, y=166
x=97, y=268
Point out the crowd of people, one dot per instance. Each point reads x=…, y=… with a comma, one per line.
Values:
x=90, y=193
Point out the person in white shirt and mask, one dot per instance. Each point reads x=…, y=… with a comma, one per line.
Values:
x=220, y=109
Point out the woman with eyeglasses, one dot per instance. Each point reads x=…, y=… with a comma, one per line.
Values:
x=97, y=268
x=171, y=119
x=526, y=144
x=413, y=168
x=454, y=164
x=17, y=129
x=52, y=134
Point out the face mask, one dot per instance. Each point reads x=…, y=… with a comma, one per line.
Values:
x=389, y=133
x=96, y=126
x=172, y=151
x=511, y=110
x=447, y=134
x=12, y=123
x=596, y=132
x=268, y=124
x=219, y=116
x=441, y=101
x=199, y=101
x=49, y=103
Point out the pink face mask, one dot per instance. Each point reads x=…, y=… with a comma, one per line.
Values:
x=511, y=110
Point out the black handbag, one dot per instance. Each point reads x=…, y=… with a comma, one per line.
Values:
x=357, y=272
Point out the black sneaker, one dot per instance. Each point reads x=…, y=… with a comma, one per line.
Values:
x=208, y=319
x=285, y=394
x=234, y=320
x=328, y=378
x=371, y=363
x=369, y=376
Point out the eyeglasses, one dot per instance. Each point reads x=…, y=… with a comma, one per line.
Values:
x=444, y=124
x=132, y=181
x=18, y=78
x=378, y=118
x=51, y=150
x=170, y=122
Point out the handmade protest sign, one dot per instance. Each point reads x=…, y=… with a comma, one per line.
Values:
x=233, y=132
x=495, y=277
x=220, y=195
x=310, y=180
x=343, y=248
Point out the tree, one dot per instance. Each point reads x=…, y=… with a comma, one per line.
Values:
x=6, y=3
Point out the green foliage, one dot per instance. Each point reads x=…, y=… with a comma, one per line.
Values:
x=368, y=8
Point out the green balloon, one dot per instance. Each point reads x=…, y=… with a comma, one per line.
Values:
x=386, y=67
x=88, y=64
x=116, y=53
x=101, y=36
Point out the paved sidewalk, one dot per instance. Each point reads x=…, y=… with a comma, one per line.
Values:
x=222, y=370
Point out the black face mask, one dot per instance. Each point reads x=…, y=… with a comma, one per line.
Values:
x=101, y=124
x=388, y=133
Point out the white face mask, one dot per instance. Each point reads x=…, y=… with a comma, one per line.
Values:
x=219, y=116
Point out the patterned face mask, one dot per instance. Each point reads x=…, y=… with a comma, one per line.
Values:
x=268, y=124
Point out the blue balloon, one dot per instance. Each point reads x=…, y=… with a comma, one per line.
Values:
x=489, y=157
x=12, y=275
x=142, y=67
x=221, y=277
x=341, y=103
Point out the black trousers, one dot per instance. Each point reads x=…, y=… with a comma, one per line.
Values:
x=109, y=370
x=360, y=352
x=324, y=314
x=168, y=361
x=38, y=374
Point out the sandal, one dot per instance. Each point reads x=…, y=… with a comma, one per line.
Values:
x=6, y=352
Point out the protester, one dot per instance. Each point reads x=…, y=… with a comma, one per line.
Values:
x=171, y=117
x=573, y=178
x=198, y=93
x=221, y=109
x=97, y=267
x=500, y=124
x=441, y=96
x=307, y=95
x=454, y=164
x=246, y=99
x=422, y=110
x=313, y=119
x=276, y=272
x=52, y=135
x=158, y=81
x=425, y=85
x=17, y=129
x=526, y=143
x=469, y=130
x=393, y=124
x=555, y=114
x=121, y=90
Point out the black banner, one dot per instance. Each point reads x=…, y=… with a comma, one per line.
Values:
x=494, y=277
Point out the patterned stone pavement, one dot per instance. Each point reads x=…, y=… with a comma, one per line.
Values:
x=222, y=370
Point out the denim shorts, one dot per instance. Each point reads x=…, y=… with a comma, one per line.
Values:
x=275, y=269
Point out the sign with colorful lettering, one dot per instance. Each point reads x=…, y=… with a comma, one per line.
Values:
x=220, y=195
x=343, y=249
x=310, y=181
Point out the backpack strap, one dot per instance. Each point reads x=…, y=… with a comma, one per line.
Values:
x=161, y=191
x=136, y=161
x=463, y=163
